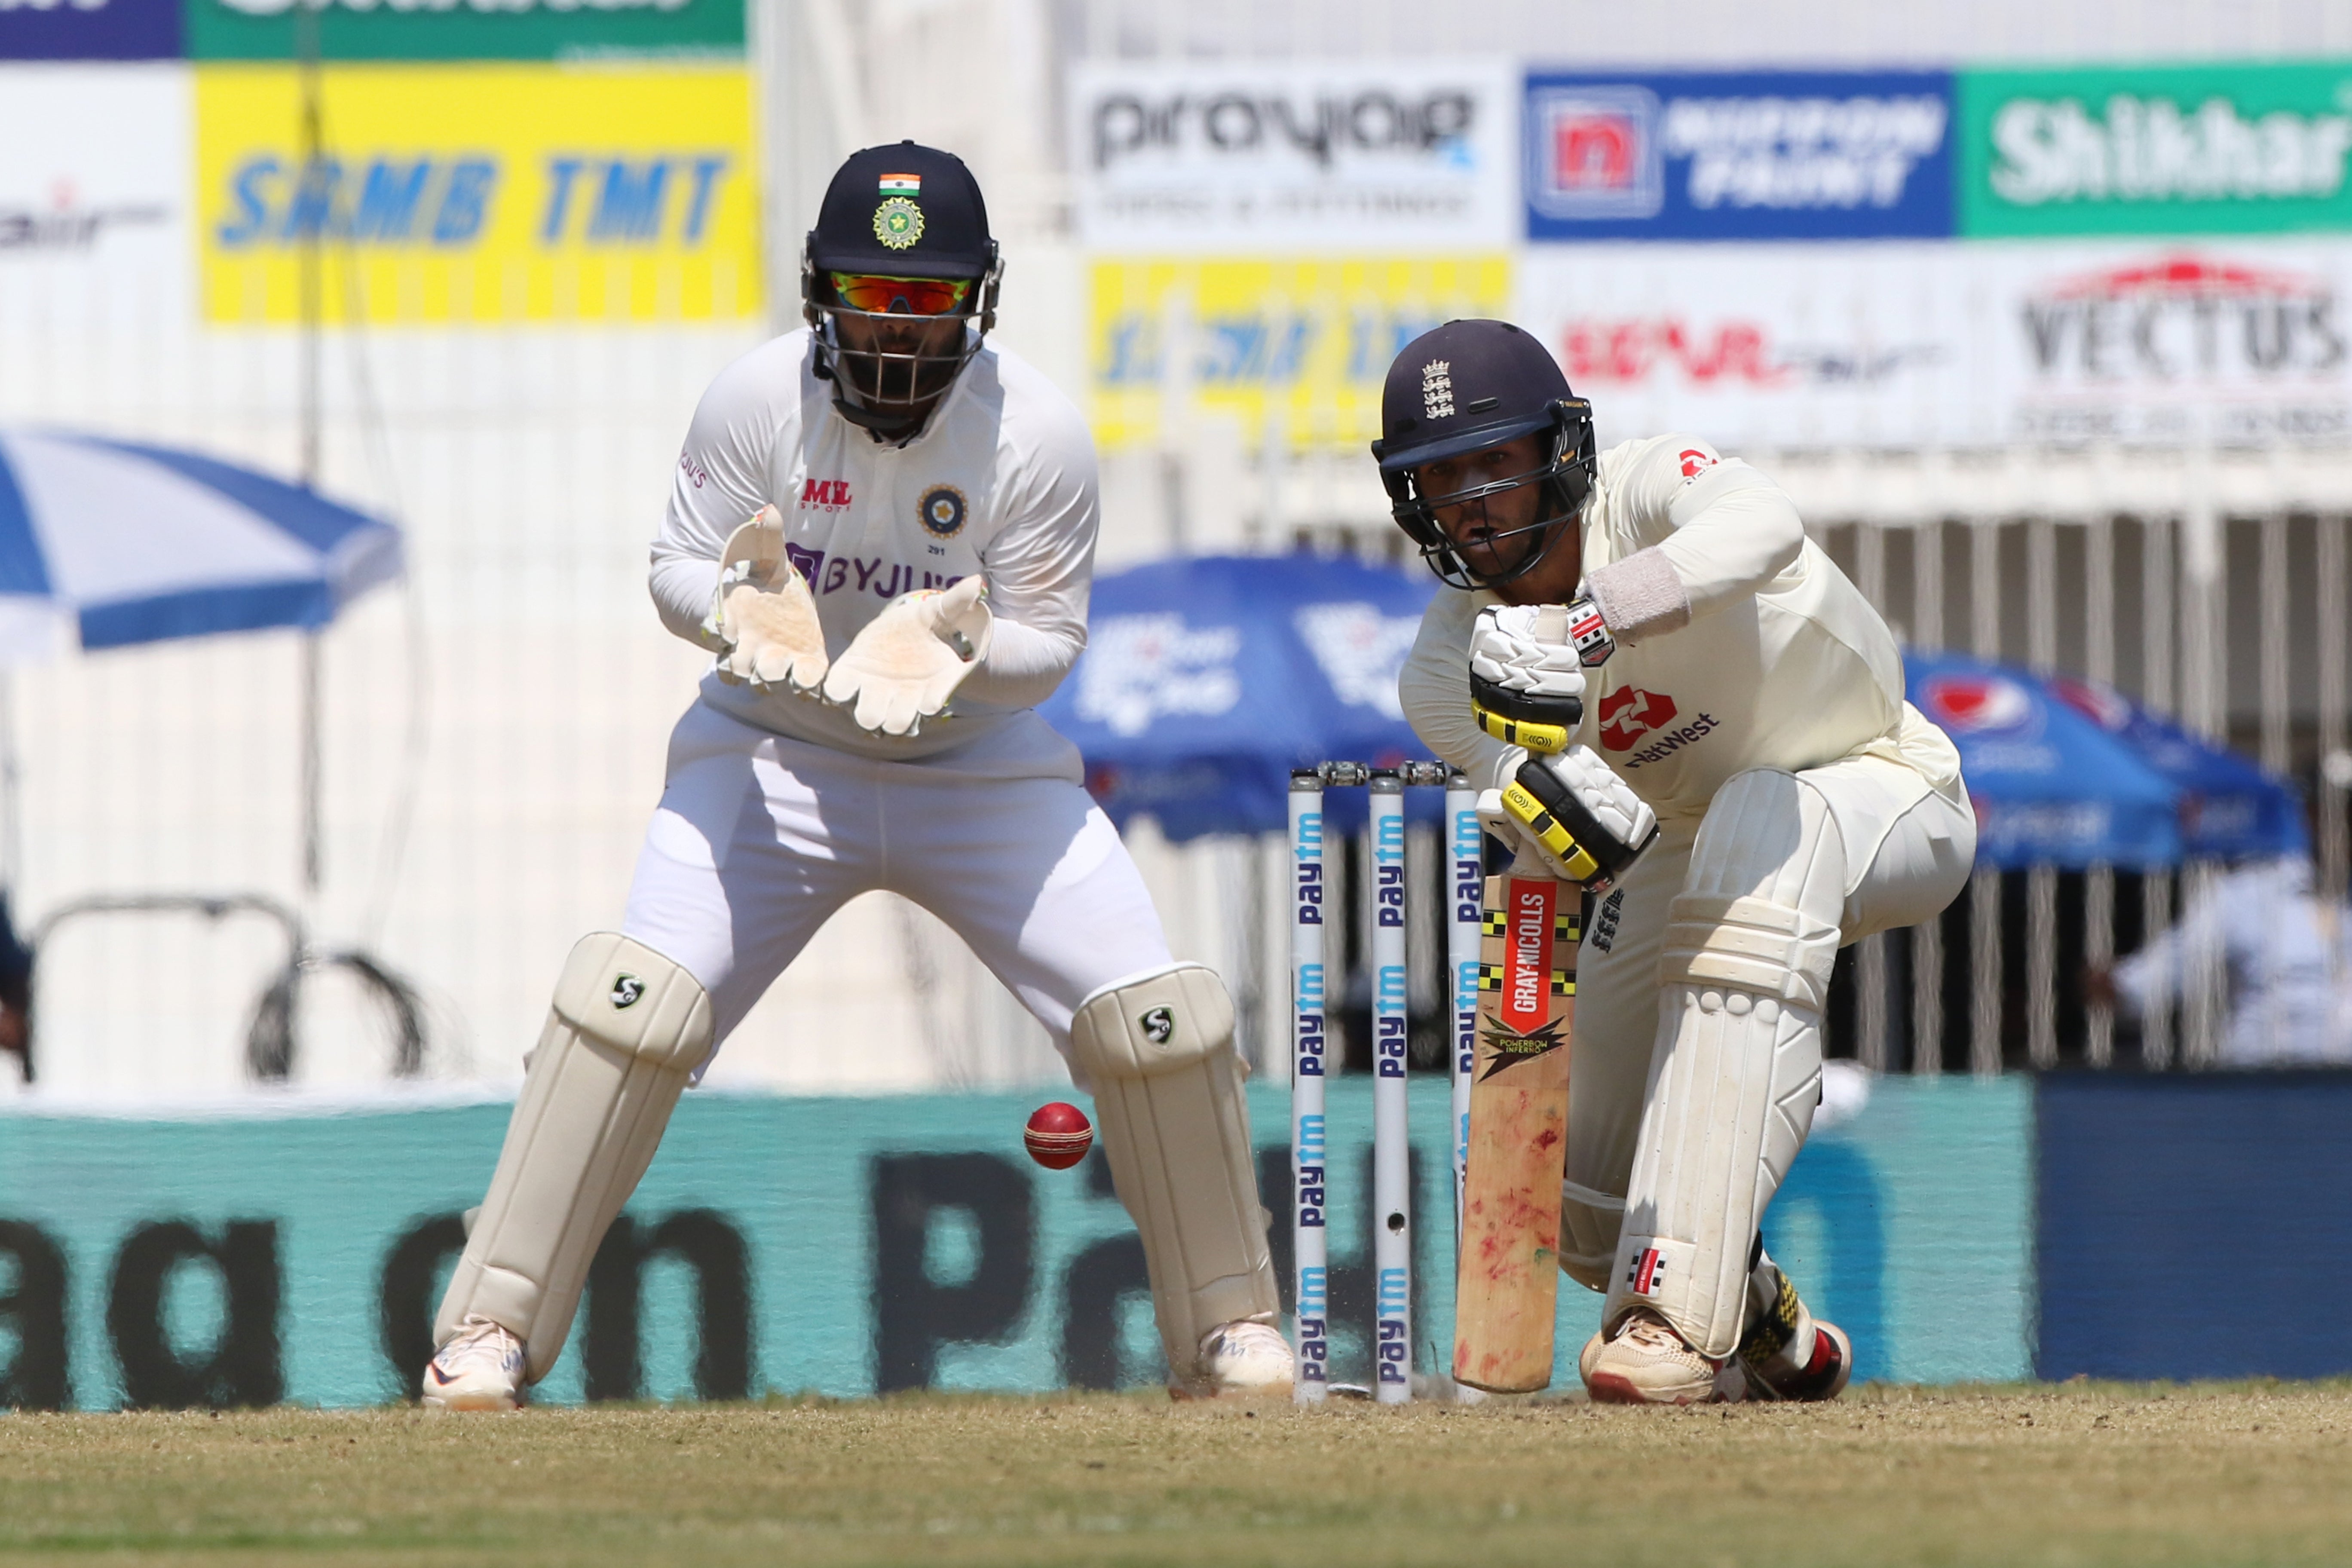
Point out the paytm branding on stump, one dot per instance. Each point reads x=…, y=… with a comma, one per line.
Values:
x=1779, y=155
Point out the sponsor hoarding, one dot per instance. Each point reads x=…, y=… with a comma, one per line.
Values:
x=1302, y=343
x=2187, y=149
x=1935, y=345
x=855, y=1246
x=475, y=29
x=1313, y=156
x=89, y=29
x=481, y=194
x=1735, y=156
x=93, y=183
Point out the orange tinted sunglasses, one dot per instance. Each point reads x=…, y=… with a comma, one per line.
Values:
x=914, y=296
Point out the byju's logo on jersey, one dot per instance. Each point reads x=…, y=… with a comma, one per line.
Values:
x=1629, y=713
x=941, y=511
x=1593, y=152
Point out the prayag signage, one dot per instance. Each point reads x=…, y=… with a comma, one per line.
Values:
x=1250, y=159
x=465, y=29
x=2190, y=149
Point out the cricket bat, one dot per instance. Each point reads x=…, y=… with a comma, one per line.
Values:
x=1508, y=1282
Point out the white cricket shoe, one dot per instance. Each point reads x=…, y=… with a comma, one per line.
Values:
x=1646, y=1363
x=1244, y=1358
x=479, y=1369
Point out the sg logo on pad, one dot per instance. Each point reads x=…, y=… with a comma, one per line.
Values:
x=1158, y=1024
x=626, y=991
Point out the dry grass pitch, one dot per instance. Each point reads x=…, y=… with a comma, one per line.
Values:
x=2074, y=1475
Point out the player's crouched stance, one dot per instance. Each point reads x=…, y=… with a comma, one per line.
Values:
x=921, y=524
x=1760, y=796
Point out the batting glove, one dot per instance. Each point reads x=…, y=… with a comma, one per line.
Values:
x=1574, y=814
x=1527, y=670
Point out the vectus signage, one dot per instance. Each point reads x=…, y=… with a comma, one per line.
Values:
x=2183, y=150
x=1813, y=155
x=2183, y=343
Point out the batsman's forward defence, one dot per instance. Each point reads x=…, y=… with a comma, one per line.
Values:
x=874, y=517
x=1739, y=753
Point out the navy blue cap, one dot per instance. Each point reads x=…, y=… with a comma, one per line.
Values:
x=903, y=211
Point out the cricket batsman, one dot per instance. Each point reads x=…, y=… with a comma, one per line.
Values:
x=883, y=526
x=1743, y=760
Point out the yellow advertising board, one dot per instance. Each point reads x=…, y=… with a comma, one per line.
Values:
x=1294, y=347
x=480, y=194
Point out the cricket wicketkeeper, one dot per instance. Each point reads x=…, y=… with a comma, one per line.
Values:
x=876, y=516
x=1759, y=786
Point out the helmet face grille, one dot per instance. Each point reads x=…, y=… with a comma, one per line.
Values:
x=1567, y=480
x=890, y=369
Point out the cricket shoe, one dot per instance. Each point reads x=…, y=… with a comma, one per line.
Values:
x=1646, y=1363
x=1242, y=1359
x=1786, y=1351
x=1823, y=1376
x=479, y=1369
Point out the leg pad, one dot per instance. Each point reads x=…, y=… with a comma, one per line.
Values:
x=1159, y=1048
x=625, y=1030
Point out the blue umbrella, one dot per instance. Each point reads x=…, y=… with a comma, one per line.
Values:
x=105, y=543
x=2050, y=786
x=2230, y=808
x=1206, y=680
x=2066, y=773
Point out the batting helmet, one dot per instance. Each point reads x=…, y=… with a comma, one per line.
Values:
x=1462, y=388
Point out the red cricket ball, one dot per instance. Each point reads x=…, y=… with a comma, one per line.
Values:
x=1058, y=1135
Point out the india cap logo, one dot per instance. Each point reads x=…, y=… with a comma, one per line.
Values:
x=898, y=223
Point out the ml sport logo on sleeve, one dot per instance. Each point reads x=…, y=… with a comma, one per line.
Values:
x=1754, y=155
x=492, y=195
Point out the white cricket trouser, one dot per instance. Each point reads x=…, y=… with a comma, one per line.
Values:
x=1906, y=849
x=759, y=839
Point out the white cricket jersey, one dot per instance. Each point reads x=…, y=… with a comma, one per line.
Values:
x=1783, y=663
x=1001, y=481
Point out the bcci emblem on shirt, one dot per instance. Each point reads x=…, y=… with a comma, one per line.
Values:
x=942, y=511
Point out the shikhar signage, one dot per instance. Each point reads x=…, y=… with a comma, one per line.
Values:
x=2194, y=149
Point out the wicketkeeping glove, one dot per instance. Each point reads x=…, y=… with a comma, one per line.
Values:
x=909, y=660
x=762, y=614
x=1573, y=811
x=1527, y=670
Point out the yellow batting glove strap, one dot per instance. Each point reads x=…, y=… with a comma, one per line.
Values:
x=1549, y=739
x=1530, y=814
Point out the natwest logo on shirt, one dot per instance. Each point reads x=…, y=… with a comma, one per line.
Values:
x=1629, y=713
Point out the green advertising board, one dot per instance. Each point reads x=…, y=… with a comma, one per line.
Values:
x=467, y=30
x=857, y=1246
x=2155, y=150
